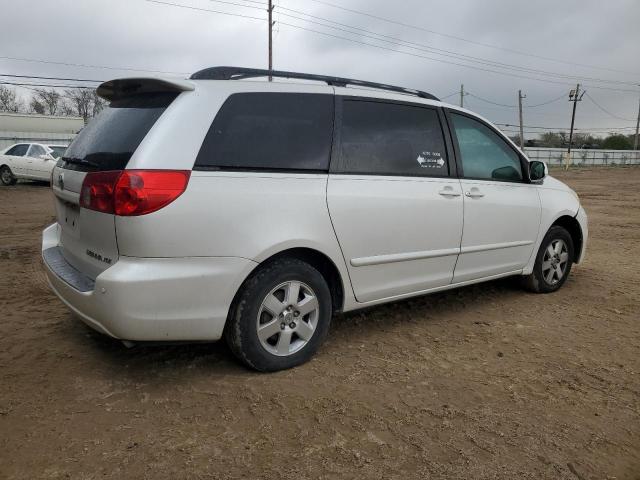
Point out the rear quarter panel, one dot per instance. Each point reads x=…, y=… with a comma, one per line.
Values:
x=10, y=161
x=232, y=214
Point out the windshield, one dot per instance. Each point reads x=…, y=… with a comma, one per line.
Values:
x=109, y=140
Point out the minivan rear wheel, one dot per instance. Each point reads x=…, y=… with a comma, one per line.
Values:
x=280, y=317
x=6, y=176
x=553, y=262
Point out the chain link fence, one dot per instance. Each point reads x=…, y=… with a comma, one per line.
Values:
x=583, y=157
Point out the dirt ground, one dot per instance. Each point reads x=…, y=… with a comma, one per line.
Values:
x=486, y=382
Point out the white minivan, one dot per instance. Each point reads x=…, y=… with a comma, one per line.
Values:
x=227, y=205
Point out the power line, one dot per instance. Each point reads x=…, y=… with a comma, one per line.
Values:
x=605, y=110
x=516, y=106
x=442, y=61
x=210, y=11
x=27, y=85
x=365, y=43
x=450, y=95
x=462, y=39
x=492, y=103
x=429, y=49
x=422, y=47
x=547, y=103
x=84, y=65
x=50, y=78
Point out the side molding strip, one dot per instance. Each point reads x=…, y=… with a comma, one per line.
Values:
x=403, y=257
x=495, y=246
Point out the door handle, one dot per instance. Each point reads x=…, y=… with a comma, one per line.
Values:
x=474, y=194
x=448, y=192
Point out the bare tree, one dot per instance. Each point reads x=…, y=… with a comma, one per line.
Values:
x=98, y=103
x=9, y=100
x=81, y=100
x=36, y=106
x=49, y=98
x=66, y=108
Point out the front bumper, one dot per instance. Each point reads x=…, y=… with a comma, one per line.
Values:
x=584, y=226
x=150, y=299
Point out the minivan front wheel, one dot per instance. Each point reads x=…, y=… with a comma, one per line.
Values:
x=281, y=316
x=553, y=262
x=6, y=176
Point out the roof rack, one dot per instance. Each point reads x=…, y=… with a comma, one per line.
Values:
x=238, y=73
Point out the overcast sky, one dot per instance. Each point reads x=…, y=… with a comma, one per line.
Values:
x=138, y=34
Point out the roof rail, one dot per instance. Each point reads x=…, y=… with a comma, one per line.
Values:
x=238, y=73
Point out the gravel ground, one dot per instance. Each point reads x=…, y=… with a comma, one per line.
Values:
x=486, y=382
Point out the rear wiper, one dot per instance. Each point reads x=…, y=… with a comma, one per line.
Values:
x=80, y=161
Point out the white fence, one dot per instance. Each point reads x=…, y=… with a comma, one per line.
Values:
x=9, y=138
x=580, y=157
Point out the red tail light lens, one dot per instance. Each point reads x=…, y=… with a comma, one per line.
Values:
x=132, y=192
x=139, y=192
x=97, y=190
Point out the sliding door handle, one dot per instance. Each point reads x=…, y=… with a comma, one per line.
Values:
x=474, y=193
x=449, y=192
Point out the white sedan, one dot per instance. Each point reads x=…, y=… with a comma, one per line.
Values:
x=29, y=161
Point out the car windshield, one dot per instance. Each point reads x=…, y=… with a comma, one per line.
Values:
x=58, y=151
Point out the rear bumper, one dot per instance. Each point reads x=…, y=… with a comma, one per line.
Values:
x=150, y=299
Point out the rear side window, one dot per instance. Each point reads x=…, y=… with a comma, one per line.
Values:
x=485, y=155
x=36, y=151
x=270, y=131
x=109, y=140
x=391, y=139
x=18, y=150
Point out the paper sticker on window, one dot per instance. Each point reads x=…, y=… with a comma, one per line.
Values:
x=430, y=160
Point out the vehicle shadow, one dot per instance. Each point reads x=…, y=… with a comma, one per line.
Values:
x=155, y=359
x=430, y=305
x=31, y=183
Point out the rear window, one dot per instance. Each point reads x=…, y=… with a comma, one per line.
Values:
x=109, y=140
x=57, y=151
x=270, y=131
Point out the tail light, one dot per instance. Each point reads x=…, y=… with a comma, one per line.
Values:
x=132, y=192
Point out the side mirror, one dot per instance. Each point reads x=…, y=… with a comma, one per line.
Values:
x=537, y=170
x=44, y=156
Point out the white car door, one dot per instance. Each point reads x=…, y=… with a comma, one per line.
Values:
x=501, y=208
x=396, y=211
x=41, y=163
x=16, y=159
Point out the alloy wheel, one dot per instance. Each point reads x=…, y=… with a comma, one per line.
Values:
x=287, y=318
x=554, y=262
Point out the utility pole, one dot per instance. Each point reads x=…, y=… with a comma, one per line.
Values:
x=270, y=11
x=462, y=96
x=575, y=96
x=635, y=144
x=520, y=97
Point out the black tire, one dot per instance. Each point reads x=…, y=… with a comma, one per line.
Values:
x=241, y=330
x=6, y=176
x=538, y=280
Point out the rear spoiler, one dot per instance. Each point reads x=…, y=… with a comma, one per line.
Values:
x=124, y=87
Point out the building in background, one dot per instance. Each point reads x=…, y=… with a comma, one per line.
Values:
x=18, y=127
